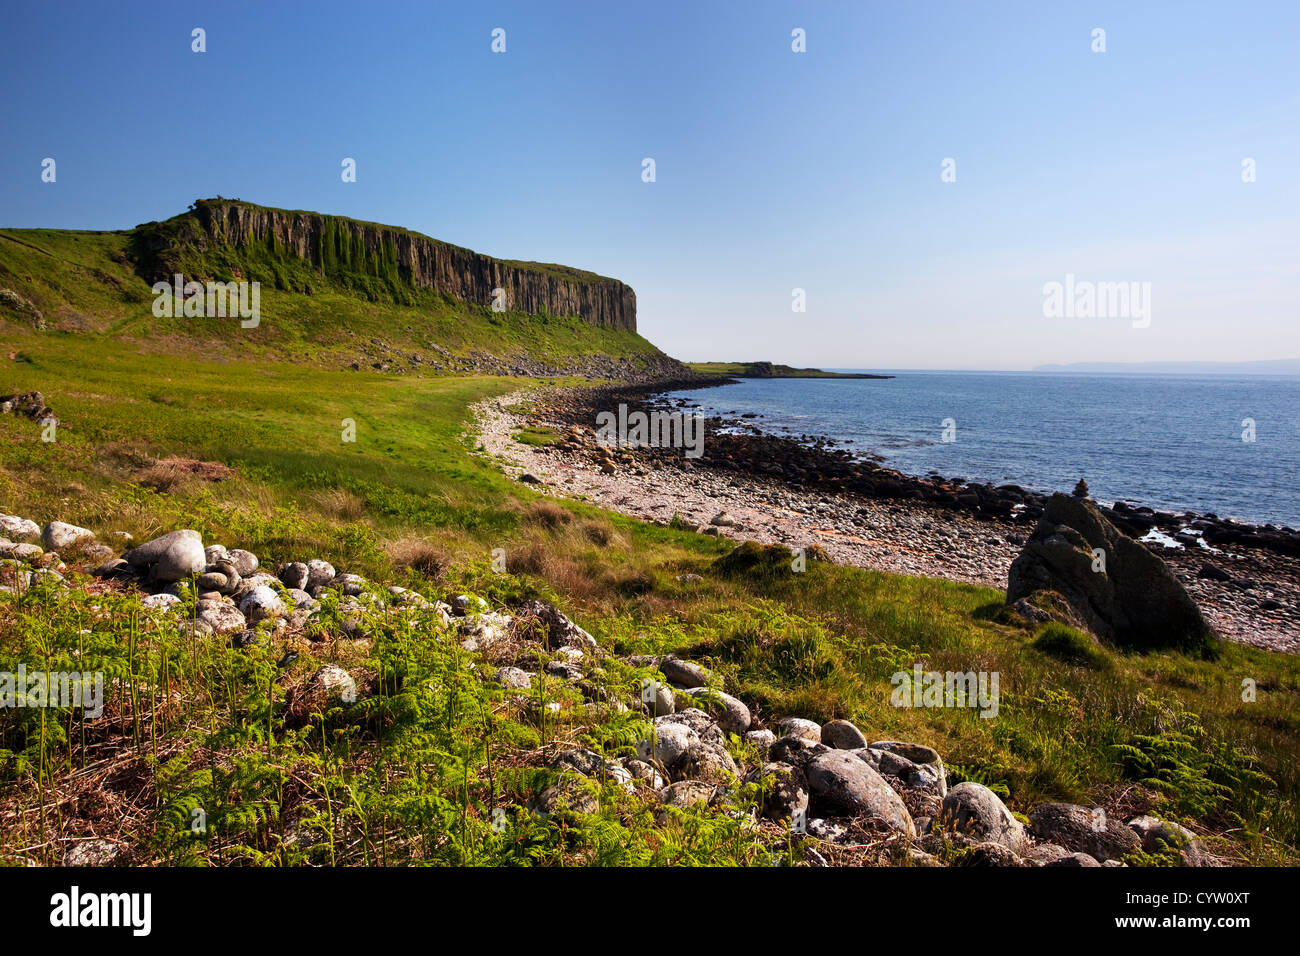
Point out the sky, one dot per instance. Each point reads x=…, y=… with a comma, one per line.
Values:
x=775, y=170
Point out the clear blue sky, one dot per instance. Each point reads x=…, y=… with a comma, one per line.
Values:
x=775, y=170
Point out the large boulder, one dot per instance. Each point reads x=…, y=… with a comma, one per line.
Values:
x=171, y=557
x=1131, y=598
x=839, y=783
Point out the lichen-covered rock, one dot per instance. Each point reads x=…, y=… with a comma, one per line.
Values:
x=795, y=749
x=705, y=761
x=514, y=678
x=687, y=793
x=798, y=727
x=973, y=810
x=261, y=603
x=294, y=575
x=687, y=674
x=19, y=529
x=730, y=712
x=783, y=788
x=245, y=561
x=222, y=616
x=170, y=557
x=59, y=536
x=669, y=743
x=840, y=782
x=319, y=574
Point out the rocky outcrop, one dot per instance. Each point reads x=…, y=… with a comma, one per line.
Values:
x=337, y=246
x=1117, y=588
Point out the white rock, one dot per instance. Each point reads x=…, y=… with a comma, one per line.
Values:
x=261, y=603
x=245, y=561
x=58, y=535
x=19, y=529
x=319, y=574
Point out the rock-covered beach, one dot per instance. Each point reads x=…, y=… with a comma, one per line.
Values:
x=808, y=491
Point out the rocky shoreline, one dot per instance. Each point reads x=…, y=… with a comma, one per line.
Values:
x=809, y=491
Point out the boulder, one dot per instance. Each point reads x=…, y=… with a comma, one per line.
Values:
x=1158, y=835
x=705, y=761
x=795, y=750
x=973, y=810
x=294, y=575
x=784, y=790
x=686, y=674
x=319, y=574
x=1073, y=861
x=669, y=743
x=58, y=536
x=514, y=678
x=19, y=529
x=658, y=698
x=261, y=603
x=556, y=630
x=798, y=727
x=1133, y=599
x=686, y=793
x=245, y=561
x=1083, y=830
x=222, y=616
x=731, y=714
x=842, y=735
x=841, y=784
x=170, y=557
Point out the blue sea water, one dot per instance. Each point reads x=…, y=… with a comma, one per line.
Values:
x=1169, y=441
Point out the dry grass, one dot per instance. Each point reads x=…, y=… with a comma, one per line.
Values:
x=173, y=474
x=548, y=514
x=420, y=555
x=338, y=503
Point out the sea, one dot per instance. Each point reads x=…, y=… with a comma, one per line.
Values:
x=1216, y=444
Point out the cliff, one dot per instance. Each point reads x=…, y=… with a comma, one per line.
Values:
x=294, y=250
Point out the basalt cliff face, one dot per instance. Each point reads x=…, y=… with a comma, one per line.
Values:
x=338, y=247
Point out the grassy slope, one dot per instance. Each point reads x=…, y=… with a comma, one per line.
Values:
x=84, y=281
x=409, y=492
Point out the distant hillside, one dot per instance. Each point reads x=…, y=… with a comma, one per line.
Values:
x=1265, y=367
x=769, y=370
x=334, y=291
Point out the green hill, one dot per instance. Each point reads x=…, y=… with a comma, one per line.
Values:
x=328, y=286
